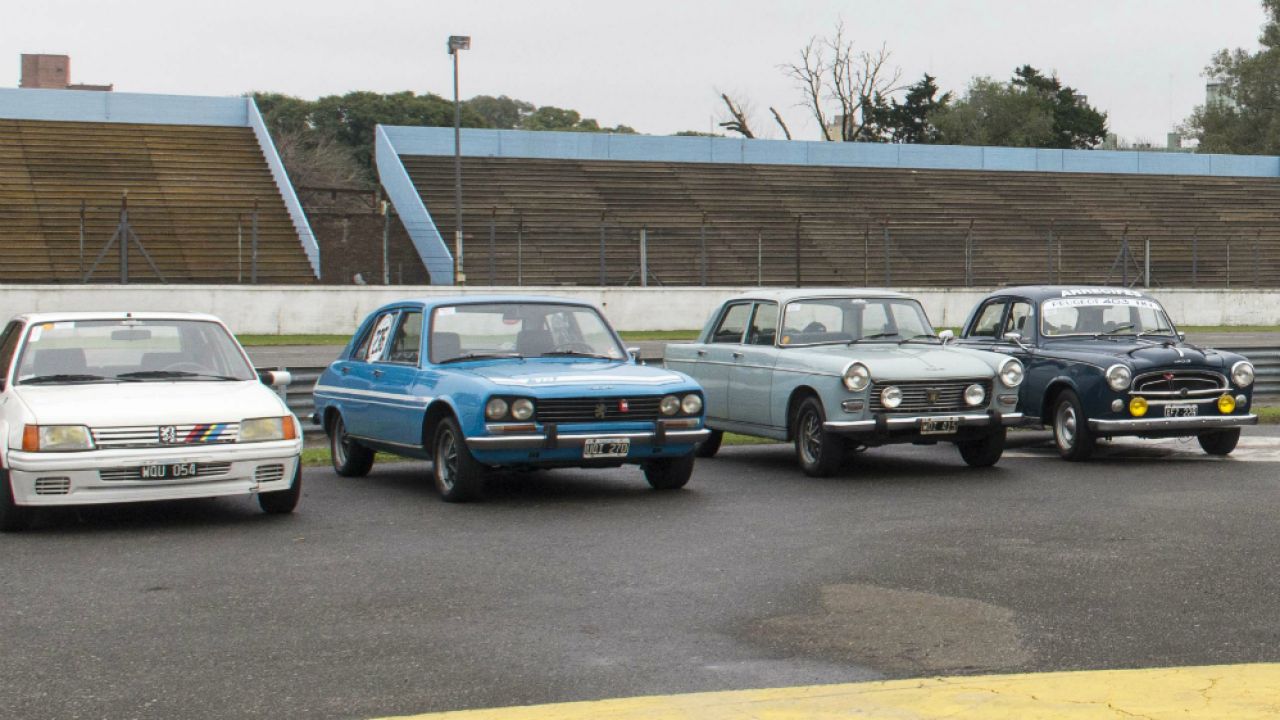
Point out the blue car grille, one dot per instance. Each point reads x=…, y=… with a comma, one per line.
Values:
x=598, y=409
x=1180, y=383
x=916, y=396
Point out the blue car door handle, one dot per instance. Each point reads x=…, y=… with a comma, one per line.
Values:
x=377, y=373
x=345, y=370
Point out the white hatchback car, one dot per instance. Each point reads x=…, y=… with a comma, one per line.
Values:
x=124, y=407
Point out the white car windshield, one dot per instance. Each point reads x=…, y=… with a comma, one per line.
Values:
x=1103, y=316
x=463, y=332
x=843, y=320
x=79, y=351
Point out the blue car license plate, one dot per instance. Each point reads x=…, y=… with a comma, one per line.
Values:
x=1181, y=410
x=167, y=472
x=606, y=447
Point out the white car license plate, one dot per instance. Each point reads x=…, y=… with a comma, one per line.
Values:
x=939, y=425
x=1181, y=410
x=167, y=472
x=606, y=447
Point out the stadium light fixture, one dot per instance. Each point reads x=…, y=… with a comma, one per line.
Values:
x=457, y=43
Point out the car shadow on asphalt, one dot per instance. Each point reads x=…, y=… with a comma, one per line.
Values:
x=412, y=481
x=148, y=517
x=891, y=464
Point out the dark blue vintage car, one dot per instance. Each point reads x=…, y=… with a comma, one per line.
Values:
x=523, y=382
x=1106, y=362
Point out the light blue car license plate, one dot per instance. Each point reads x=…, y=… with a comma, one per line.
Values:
x=606, y=447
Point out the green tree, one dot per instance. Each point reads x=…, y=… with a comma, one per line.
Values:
x=910, y=121
x=1244, y=117
x=500, y=112
x=1031, y=110
x=549, y=117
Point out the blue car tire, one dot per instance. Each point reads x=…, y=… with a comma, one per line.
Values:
x=350, y=458
x=669, y=473
x=1219, y=442
x=457, y=475
x=709, y=447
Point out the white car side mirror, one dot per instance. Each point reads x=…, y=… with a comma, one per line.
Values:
x=634, y=354
x=946, y=336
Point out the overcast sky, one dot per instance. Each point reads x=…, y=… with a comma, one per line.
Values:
x=656, y=65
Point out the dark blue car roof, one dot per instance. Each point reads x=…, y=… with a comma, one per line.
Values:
x=1039, y=293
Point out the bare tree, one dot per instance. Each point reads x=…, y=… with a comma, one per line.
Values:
x=785, y=130
x=830, y=69
x=738, y=112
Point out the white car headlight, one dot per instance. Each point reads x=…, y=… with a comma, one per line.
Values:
x=56, y=438
x=1011, y=373
x=891, y=397
x=975, y=394
x=691, y=404
x=857, y=377
x=1242, y=374
x=522, y=409
x=267, y=429
x=1118, y=377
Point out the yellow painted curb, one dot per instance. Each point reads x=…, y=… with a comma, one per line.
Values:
x=1237, y=692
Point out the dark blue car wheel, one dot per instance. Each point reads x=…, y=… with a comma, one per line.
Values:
x=1071, y=432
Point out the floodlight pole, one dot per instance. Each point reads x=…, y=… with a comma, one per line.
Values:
x=457, y=43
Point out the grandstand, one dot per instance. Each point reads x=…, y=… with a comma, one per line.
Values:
x=942, y=216
x=196, y=172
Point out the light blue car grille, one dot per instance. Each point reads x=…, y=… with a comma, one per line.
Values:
x=923, y=396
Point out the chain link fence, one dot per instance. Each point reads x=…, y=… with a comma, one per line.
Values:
x=815, y=250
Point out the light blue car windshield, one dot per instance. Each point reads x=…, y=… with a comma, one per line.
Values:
x=841, y=320
x=460, y=332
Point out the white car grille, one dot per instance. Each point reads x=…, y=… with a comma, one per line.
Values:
x=165, y=435
x=53, y=485
x=135, y=473
x=268, y=473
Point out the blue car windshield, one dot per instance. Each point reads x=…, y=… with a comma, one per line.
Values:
x=1090, y=316
x=520, y=329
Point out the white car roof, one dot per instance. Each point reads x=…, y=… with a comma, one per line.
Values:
x=789, y=294
x=121, y=315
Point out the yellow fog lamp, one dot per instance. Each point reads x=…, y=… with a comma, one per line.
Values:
x=1138, y=407
x=1226, y=404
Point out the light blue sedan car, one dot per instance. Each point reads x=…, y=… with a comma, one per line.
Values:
x=480, y=382
x=841, y=370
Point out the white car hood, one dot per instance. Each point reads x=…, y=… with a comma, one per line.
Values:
x=149, y=403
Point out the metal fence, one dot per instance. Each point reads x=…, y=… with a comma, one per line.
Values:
x=827, y=248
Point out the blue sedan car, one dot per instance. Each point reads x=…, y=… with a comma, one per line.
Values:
x=523, y=382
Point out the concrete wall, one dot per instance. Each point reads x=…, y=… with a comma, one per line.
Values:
x=275, y=309
x=603, y=146
x=90, y=106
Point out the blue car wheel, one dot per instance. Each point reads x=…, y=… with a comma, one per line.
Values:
x=457, y=475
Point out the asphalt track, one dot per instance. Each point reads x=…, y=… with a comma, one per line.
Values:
x=376, y=599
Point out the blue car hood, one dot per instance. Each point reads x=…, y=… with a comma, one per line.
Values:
x=597, y=376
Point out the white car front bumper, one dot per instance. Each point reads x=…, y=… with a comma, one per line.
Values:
x=104, y=476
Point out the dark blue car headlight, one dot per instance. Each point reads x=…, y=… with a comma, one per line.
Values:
x=1242, y=374
x=1119, y=377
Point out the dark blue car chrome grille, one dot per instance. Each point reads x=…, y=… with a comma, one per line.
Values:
x=1180, y=383
x=598, y=409
x=923, y=396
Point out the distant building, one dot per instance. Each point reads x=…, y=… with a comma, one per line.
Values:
x=1216, y=92
x=52, y=72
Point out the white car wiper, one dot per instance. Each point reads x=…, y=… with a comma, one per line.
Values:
x=60, y=377
x=874, y=336
x=169, y=374
x=921, y=336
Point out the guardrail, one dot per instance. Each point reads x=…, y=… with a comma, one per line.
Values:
x=1266, y=361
